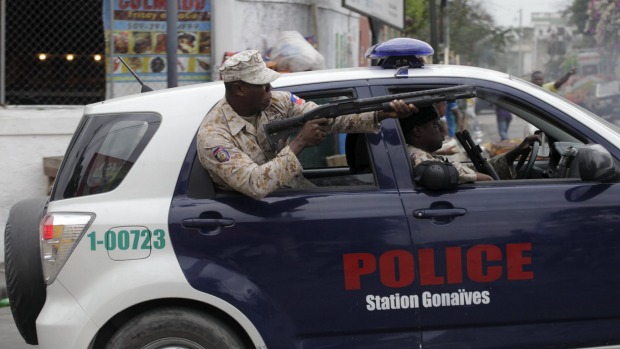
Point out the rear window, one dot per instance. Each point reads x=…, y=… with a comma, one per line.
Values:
x=102, y=152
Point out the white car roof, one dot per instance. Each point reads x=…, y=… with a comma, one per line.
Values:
x=193, y=102
x=431, y=70
x=199, y=95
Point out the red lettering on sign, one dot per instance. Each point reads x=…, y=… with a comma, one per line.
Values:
x=160, y=4
x=427, y=268
x=396, y=268
x=454, y=265
x=516, y=261
x=123, y=4
x=483, y=263
x=356, y=265
x=182, y=5
x=476, y=269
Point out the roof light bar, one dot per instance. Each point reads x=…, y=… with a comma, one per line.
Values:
x=400, y=52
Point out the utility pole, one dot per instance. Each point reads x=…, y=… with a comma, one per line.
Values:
x=172, y=42
x=376, y=28
x=521, y=42
x=2, y=51
x=446, y=29
x=433, y=22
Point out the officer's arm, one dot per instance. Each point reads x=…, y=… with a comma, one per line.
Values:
x=564, y=79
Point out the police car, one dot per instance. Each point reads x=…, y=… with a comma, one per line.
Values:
x=140, y=250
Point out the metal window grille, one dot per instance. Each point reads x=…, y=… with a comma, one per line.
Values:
x=51, y=52
x=56, y=52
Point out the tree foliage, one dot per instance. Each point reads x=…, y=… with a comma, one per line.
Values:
x=599, y=22
x=418, y=19
x=472, y=33
x=579, y=14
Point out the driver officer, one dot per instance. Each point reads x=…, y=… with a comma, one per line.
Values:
x=424, y=134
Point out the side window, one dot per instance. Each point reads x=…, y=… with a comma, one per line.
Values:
x=498, y=122
x=102, y=152
x=502, y=123
x=331, y=151
x=342, y=159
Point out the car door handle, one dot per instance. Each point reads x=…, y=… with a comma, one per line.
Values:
x=208, y=222
x=439, y=213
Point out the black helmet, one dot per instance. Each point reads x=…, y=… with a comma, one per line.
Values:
x=436, y=175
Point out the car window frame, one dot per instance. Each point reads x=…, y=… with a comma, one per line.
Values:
x=527, y=102
x=200, y=184
x=80, y=143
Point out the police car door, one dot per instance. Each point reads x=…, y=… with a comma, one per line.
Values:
x=513, y=264
x=309, y=268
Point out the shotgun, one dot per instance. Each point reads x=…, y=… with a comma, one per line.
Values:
x=282, y=129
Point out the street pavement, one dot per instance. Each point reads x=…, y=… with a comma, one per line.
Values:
x=488, y=125
x=11, y=339
x=9, y=335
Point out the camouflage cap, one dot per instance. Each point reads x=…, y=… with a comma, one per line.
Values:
x=247, y=66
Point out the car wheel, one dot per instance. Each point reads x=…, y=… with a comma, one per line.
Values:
x=175, y=328
x=23, y=271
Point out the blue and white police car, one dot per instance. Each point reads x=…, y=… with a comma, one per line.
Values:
x=138, y=249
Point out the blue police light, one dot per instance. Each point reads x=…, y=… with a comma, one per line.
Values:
x=399, y=52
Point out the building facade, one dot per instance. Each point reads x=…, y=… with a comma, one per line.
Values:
x=36, y=128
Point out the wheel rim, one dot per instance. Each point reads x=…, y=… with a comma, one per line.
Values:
x=173, y=343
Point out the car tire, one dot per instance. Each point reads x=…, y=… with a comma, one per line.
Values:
x=22, y=261
x=175, y=327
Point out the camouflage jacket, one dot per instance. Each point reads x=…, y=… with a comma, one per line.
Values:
x=467, y=172
x=238, y=156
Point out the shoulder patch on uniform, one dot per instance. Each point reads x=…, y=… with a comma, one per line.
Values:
x=296, y=100
x=221, y=154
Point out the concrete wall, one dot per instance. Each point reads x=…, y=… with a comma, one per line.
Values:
x=27, y=135
x=255, y=24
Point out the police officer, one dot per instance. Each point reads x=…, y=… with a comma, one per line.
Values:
x=233, y=146
x=424, y=134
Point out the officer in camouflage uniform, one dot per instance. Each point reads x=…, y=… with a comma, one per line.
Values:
x=424, y=134
x=233, y=146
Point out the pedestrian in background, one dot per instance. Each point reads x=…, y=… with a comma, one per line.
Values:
x=453, y=117
x=538, y=78
x=504, y=117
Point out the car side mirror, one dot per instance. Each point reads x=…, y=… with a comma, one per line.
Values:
x=597, y=164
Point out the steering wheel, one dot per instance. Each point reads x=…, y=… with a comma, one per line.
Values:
x=524, y=171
